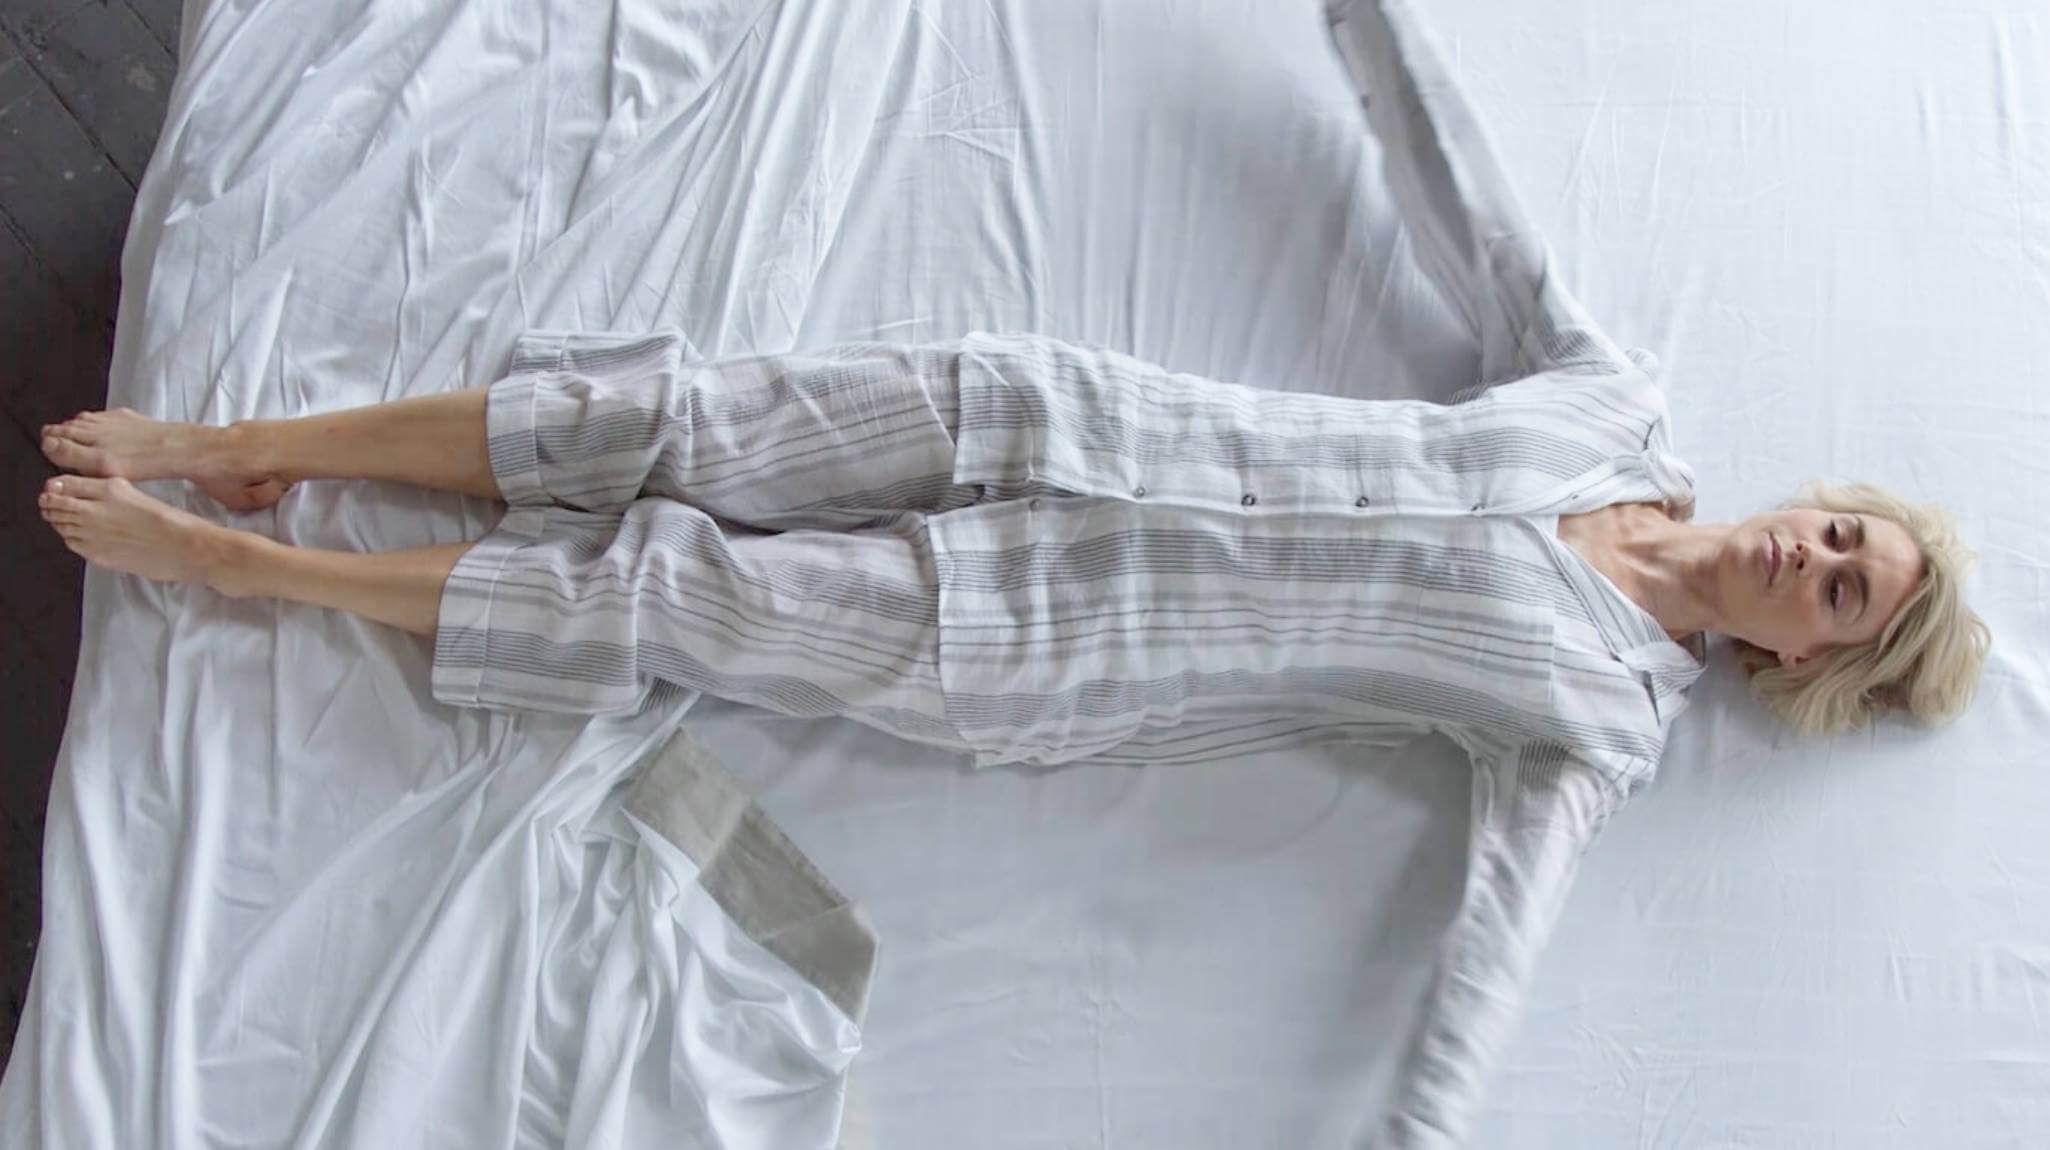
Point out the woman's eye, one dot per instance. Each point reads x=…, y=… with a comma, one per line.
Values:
x=1832, y=535
x=1833, y=585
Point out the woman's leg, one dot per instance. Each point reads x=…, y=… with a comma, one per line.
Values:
x=111, y=523
x=582, y=617
x=836, y=439
x=430, y=441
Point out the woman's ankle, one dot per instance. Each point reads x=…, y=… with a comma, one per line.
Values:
x=237, y=564
x=245, y=448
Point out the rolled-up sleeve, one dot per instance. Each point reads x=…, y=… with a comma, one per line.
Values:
x=1536, y=809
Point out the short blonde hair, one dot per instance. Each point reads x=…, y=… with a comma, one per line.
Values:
x=1927, y=660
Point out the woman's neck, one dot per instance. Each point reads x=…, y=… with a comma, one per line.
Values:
x=1664, y=566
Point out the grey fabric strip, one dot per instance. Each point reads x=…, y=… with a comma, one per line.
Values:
x=763, y=882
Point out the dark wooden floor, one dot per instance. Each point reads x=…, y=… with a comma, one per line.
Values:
x=82, y=91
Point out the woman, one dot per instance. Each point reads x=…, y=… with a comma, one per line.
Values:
x=1033, y=551
x=622, y=462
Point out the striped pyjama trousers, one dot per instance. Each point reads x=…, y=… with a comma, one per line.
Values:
x=750, y=527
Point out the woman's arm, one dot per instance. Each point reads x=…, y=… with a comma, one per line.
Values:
x=1536, y=808
x=1471, y=234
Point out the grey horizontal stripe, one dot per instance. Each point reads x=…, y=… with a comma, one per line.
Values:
x=754, y=498
x=1060, y=377
x=611, y=665
x=1483, y=449
x=916, y=726
x=1366, y=611
x=459, y=647
x=1534, y=666
x=1265, y=737
x=867, y=595
x=534, y=694
x=845, y=648
x=1393, y=693
x=787, y=694
x=1540, y=764
x=544, y=691
x=838, y=585
x=1569, y=346
x=1602, y=411
x=1157, y=551
x=765, y=467
x=590, y=357
x=1294, y=741
x=1671, y=681
x=796, y=379
x=928, y=493
x=512, y=455
x=847, y=589
x=1312, y=688
x=527, y=361
x=640, y=430
x=1589, y=368
x=603, y=433
x=564, y=353
x=1051, y=374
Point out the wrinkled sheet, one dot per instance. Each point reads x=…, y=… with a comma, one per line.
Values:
x=291, y=901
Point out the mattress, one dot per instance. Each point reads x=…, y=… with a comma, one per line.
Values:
x=290, y=900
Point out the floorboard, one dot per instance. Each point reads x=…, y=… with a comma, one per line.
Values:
x=83, y=85
x=60, y=193
x=112, y=75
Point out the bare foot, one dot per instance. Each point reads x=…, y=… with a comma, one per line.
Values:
x=109, y=522
x=122, y=443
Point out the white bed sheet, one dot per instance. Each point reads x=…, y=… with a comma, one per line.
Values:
x=267, y=847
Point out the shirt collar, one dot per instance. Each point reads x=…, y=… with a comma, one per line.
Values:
x=1632, y=634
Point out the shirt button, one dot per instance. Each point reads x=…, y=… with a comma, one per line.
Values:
x=1362, y=501
x=1247, y=500
x=1478, y=506
x=1033, y=503
x=1139, y=492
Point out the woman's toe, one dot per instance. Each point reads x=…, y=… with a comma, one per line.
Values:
x=70, y=454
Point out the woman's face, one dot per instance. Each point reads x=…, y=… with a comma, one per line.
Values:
x=1838, y=580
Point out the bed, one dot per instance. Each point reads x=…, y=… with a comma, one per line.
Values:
x=291, y=901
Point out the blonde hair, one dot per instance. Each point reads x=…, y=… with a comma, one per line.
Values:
x=1925, y=662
